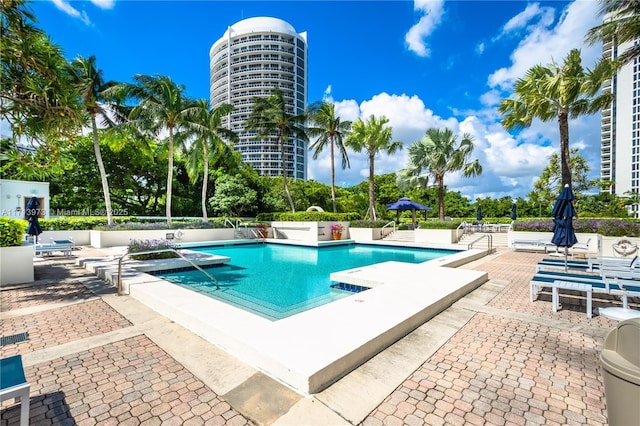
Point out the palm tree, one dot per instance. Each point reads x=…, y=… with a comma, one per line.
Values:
x=209, y=142
x=331, y=131
x=439, y=153
x=558, y=92
x=270, y=116
x=374, y=137
x=162, y=106
x=91, y=86
x=38, y=100
x=621, y=24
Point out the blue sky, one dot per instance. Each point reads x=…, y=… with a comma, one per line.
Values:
x=421, y=64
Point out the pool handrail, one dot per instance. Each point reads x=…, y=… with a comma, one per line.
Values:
x=388, y=224
x=119, y=289
x=489, y=238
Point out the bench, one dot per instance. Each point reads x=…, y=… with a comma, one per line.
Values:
x=13, y=384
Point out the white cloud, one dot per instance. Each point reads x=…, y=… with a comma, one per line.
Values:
x=104, y=4
x=512, y=161
x=432, y=11
x=543, y=43
x=533, y=11
x=66, y=7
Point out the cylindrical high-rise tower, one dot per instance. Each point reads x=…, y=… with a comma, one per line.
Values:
x=253, y=57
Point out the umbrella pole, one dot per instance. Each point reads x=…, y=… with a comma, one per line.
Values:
x=566, y=254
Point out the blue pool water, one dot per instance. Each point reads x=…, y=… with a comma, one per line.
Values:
x=276, y=281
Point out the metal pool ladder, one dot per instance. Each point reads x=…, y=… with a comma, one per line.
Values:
x=160, y=251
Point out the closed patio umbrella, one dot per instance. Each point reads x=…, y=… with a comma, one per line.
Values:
x=563, y=213
x=514, y=211
x=31, y=215
x=479, y=214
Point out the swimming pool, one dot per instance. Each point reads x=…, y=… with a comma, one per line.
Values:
x=276, y=281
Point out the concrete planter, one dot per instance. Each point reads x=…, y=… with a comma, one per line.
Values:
x=437, y=236
x=80, y=238
x=306, y=231
x=367, y=234
x=17, y=265
x=102, y=239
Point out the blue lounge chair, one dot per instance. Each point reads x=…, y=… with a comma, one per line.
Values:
x=592, y=264
x=13, y=384
x=615, y=282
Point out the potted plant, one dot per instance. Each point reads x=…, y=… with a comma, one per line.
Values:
x=336, y=231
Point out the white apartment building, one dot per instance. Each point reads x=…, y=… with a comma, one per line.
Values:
x=253, y=57
x=620, y=127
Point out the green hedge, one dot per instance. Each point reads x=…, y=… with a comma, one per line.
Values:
x=307, y=217
x=368, y=223
x=70, y=223
x=12, y=231
x=440, y=224
x=606, y=227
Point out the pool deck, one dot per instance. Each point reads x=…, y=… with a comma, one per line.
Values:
x=492, y=357
x=312, y=349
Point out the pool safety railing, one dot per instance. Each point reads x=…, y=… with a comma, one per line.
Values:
x=161, y=251
x=392, y=223
x=489, y=238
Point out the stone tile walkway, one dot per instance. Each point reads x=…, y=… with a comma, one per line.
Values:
x=92, y=359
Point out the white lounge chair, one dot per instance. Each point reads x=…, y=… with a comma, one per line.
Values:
x=532, y=244
x=64, y=246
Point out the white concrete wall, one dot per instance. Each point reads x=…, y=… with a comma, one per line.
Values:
x=437, y=236
x=307, y=231
x=16, y=265
x=102, y=239
x=80, y=238
x=14, y=195
x=367, y=234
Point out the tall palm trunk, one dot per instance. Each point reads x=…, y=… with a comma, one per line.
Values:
x=372, y=208
x=205, y=181
x=440, y=179
x=563, y=123
x=103, y=173
x=333, y=179
x=284, y=175
x=169, y=179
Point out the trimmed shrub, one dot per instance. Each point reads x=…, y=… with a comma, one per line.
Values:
x=12, y=231
x=307, y=217
x=440, y=224
x=148, y=245
x=606, y=227
x=367, y=223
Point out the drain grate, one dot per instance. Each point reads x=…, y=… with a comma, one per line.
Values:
x=16, y=338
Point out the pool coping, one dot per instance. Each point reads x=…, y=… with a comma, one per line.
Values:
x=311, y=350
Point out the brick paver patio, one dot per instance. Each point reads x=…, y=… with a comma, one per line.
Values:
x=513, y=363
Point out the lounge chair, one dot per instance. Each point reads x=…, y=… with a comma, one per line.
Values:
x=582, y=248
x=64, y=246
x=592, y=264
x=13, y=384
x=615, y=282
x=532, y=244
